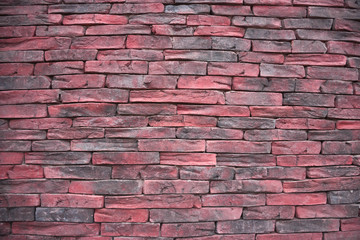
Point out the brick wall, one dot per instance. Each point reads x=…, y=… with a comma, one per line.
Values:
x=179, y=119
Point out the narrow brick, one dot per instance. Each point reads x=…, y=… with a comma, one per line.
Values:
x=82, y=109
x=64, y=215
x=59, y=68
x=90, y=19
x=213, y=110
x=242, y=200
x=163, y=18
x=246, y=226
x=234, y=147
x=104, y=145
x=79, y=8
x=188, y=9
x=141, y=81
x=271, y=46
x=175, y=187
x=129, y=8
x=115, y=30
x=121, y=158
x=23, y=111
x=311, y=225
x=79, y=81
x=307, y=46
x=71, y=201
x=21, y=56
x=57, y=158
x=264, y=84
x=121, y=215
x=191, y=159
x=296, y=199
x=253, y=98
x=279, y=11
x=271, y=70
x=70, y=54
x=130, y=54
x=108, y=187
x=34, y=43
x=233, y=69
x=188, y=229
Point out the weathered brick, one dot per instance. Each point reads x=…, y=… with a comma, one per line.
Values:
x=327, y=211
x=70, y=54
x=210, y=1
x=344, y=113
x=146, y=132
x=354, y=62
x=211, y=56
x=333, y=135
x=171, y=145
x=15, y=146
x=259, y=22
x=130, y=54
x=191, y=159
x=348, y=25
x=195, y=20
x=128, y=8
x=144, y=172
x=348, y=48
x=75, y=133
x=246, y=123
x=328, y=35
x=95, y=95
x=108, y=187
x=63, y=31
x=132, y=230
x=34, y=186
x=271, y=173
x=309, y=99
x=207, y=173
x=268, y=135
x=255, y=57
x=204, y=82
x=208, y=133
x=230, y=43
x=16, y=69
x=246, y=226
x=104, y=145
x=64, y=215
x=163, y=18
x=5, y=228
x=287, y=111
x=59, y=68
x=71, y=201
x=348, y=124
x=30, y=19
x=308, y=23
x=153, y=201
x=237, y=147
x=254, y=33
x=23, y=111
x=296, y=147
x=347, y=102
x=99, y=42
x=344, y=197
x=57, y=158
x=279, y=11
x=213, y=110
x=295, y=236
x=233, y=69
x=80, y=172
x=141, y=81
x=188, y=229
x=316, y=59
x=351, y=235
x=17, y=214
x=19, y=200
x=121, y=158
x=175, y=186
x=192, y=42
x=341, y=13
x=121, y=215
x=17, y=31
x=115, y=30
x=330, y=3
x=314, y=160
x=91, y=19
x=219, y=31
x=82, y=109
x=50, y=145
x=22, y=134
x=309, y=225
x=351, y=224
x=116, y=67
x=29, y=96
x=269, y=212
x=264, y=84
x=188, y=9
x=146, y=109
x=56, y=229
x=304, y=46
x=43, y=123
x=34, y=43
x=296, y=199
x=253, y=98
x=324, y=86
x=337, y=147
x=25, y=171
x=119, y=121
x=272, y=70
x=242, y=186
x=79, y=8
x=271, y=46
x=79, y=81
x=268, y=2
x=182, y=121
x=21, y=56
x=172, y=30
x=314, y=185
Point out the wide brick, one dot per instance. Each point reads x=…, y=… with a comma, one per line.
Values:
x=95, y=95
x=269, y=135
x=271, y=46
x=102, y=42
x=344, y=197
x=192, y=43
x=279, y=11
x=269, y=212
x=50, y=145
x=146, y=132
x=296, y=199
x=79, y=8
x=19, y=200
x=204, y=82
x=351, y=224
x=246, y=226
x=122, y=145
x=214, y=110
x=121, y=215
x=242, y=186
x=348, y=101
x=259, y=22
x=308, y=23
x=254, y=33
x=79, y=81
x=17, y=31
x=115, y=30
x=255, y=57
x=337, y=147
x=108, y=187
x=237, y=147
x=130, y=54
x=121, y=158
x=82, y=109
x=30, y=19
x=29, y=96
x=71, y=201
x=34, y=43
x=344, y=113
x=23, y=111
x=253, y=98
x=178, y=67
x=118, y=121
x=330, y=3
x=303, y=123
x=314, y=160
x=347, y=25
x=152, y=42
x=295, y=236
x=309, y=99
x=175, y=186
x=271, y=70
x=171, y=145
x=348, y=124
x=25, y=171
x=308, y=225
x=188, y=9
x=208, y=133
x=56, y=31
x=70, y=54
x=17, y=214
x=173, y=30
x=188, y=229
x=219, y=31
x=21, y=56
x=333, y=135
x=296, y=147
x=16, y=69
x=328, y=35
x=233, y=69
x=207, y=173
x=145, y=172
x=59, y=68
x=141, y=81
x=81, y=172
x=305, y=46
x=146, y=109
x=57, y=158
x=211, y=56
x=22, y=134
x=327, y=211
x=191, y=159
x=153, y=201
x=351, y=235
x=316, y=59
x=324, y=86
x=161, y=18
x=246, y=123
x=91, y=19
x=130, y=230
x=22, y=82
x=230, y=43
x=194, y=20
x=64, y=215
x=34, y=186
x=271, y=173
x=15, y=146
x=315, y=185
x=56, y=229
x=287, y=111
x=129, y=8
x=342, y=13
x=348, y=48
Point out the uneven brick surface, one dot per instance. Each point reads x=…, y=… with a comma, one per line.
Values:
x=179, y=119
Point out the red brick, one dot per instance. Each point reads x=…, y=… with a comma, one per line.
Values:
x=56, y=229
x=101, y=42
x=121, y=215
x=325, y=12
x=348, y=48
x=206, y=173
x=352, y=235
x=22, y=82
x=188, y=9
x=309, y=99
x=303, y=123
x=71, y=31
x=11, y=158
x=34, y=43
x=153, y=201
x=337, y=147
x=137, y=8
x=354, y=62
x=161, y=18
x=295, y=236
x=121, y=158
x=271, y=70
x=146, y=109
x=256, y=22
x=314, y=160
x=208, y=133
x=230, y=10
x=233, y=69
x=214, y=110
x=242, y=186
x=178, y=67
x=95, y=95
x=152, y=42
x=264, y=84
x=254, y=33
x=44, y=123
x=246, y=226
x=244, y=200
x=50, y=145
x=324, y=86
x=75, y=133
x=271, y=173
x=57, y=158
x=308, y=225
x=82, y=109
x=104, y=145
x=116, y=67
x=145, y=172
x=108, y=187
x=194, y=20
x=237, y=147
x=172, y=30
x=327, y=35
x=296, y=147
x=287, y=111
x=141, y=81
x=344, y=113
x=79, y=8
x=254, y=57
x=21, y=56
x=347, y=102
x=268, y=2
x=175, y=186
x=229, y=43
x=22, y=134
x=191, y=159
x=348, y=124
x=296, y=199
x=351, y=224
x=130, y=54
x=16, y=69
x=219, y=31
x=117, y=30
x=119, y=121
x=130, y=230
x=316, y=59
x=17, y=31
x=59, y=68
x=64, y=215
x=330, y=3
x=333, y=135
x=79, y=81
x=204, y=82
x=271, y=46
x=70, y=54
x=172, y=145
x=308, y=23
x=5, y=228
x=268, y=135
x=25, y=171
x=34, y=186
x=327, y=211
x=29, y=96
x=348, y=25
x=280, y=11
x=23, y=111
x=19, y=200
x=211, y=1
x=304, y=46
x=253, y=98
x=195, y=43
x=188, y=229
x=72, y=201
x=94, y=19
x=182, y=121
x=351, y=4
x=31, y=19
x=315, y=185
x=146, y=132
x=269, y=212
x=15, y=146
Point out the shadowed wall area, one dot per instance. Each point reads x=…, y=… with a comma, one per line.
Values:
x=179, y=119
